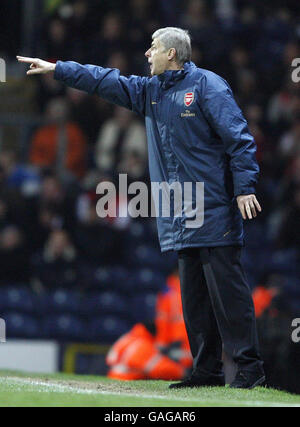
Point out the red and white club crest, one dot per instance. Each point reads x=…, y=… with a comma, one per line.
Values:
x=189, y=99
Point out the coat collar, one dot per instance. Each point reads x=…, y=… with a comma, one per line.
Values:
x=170, y=77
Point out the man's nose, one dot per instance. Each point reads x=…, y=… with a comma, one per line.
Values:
x=147, y=53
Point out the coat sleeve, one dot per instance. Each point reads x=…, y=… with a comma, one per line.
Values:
x=128, y=92
x=227, y=120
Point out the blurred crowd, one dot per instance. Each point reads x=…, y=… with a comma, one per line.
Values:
x=50, y=234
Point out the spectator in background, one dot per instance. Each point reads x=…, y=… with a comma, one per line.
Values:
x=274, y=34
x=57, y=265
x=241, y=73
x=197, y=56
x=239, y=63
x=53, y=194
x=53, y=209
x=289, y=230
x=47, y=219
x=56, y=41
x=16, y=208
x=134, y=165
x=98, y=241
x=79, y=21
x=289, y=182
x=246, y=26
x=282, y=106
x=142, y=22
x=196, y=15
x=143, y=13
x=47, y=89
x=17, y=176
x=3, y=213
x=289, y=143
x=246, y=88
x=79, y=103
x=283, y=200
x=118, y=60
x=109, y=40
x=255, y=116
x=170, y=12
x=120, y=137
x=14, y=257
x=198, y=18
x=59, y=144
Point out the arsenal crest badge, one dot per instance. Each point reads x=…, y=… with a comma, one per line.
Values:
x=189, y=99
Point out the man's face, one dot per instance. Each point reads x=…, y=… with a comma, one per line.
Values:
x=157, y=58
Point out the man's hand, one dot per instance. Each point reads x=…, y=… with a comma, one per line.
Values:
x=247, y=205
x=38, y=66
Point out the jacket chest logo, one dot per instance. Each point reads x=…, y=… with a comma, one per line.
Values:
x=189, y=98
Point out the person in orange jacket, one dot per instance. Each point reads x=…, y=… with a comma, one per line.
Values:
x=59, y=143
x=171, y=332
x=160, y=351
x=262, y=299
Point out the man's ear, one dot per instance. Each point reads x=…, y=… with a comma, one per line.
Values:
x=172, y=54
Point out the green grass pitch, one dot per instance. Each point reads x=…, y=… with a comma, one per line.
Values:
x=24, y=390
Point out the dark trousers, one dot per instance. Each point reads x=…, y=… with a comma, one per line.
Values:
x=218, y=309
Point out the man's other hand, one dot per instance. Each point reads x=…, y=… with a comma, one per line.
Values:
x=248, y=205
x=37, y=66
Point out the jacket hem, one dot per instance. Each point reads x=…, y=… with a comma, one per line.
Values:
x=178, y=247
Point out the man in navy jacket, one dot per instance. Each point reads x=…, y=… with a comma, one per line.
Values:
x=196, y=134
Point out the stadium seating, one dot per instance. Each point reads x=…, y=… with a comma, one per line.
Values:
x=143, y=307
x=123, y=298
x=19, y=299
x=60, y=301
x=20, y=325
x=65, y=327
x=106, y=329
x=106, y=302
x=145, y=279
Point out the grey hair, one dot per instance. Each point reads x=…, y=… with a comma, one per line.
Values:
x=177, y=38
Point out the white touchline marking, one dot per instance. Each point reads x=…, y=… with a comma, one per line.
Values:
x=62, y=388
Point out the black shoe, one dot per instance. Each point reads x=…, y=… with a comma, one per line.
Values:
x=193, y=382
x=248, y=379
